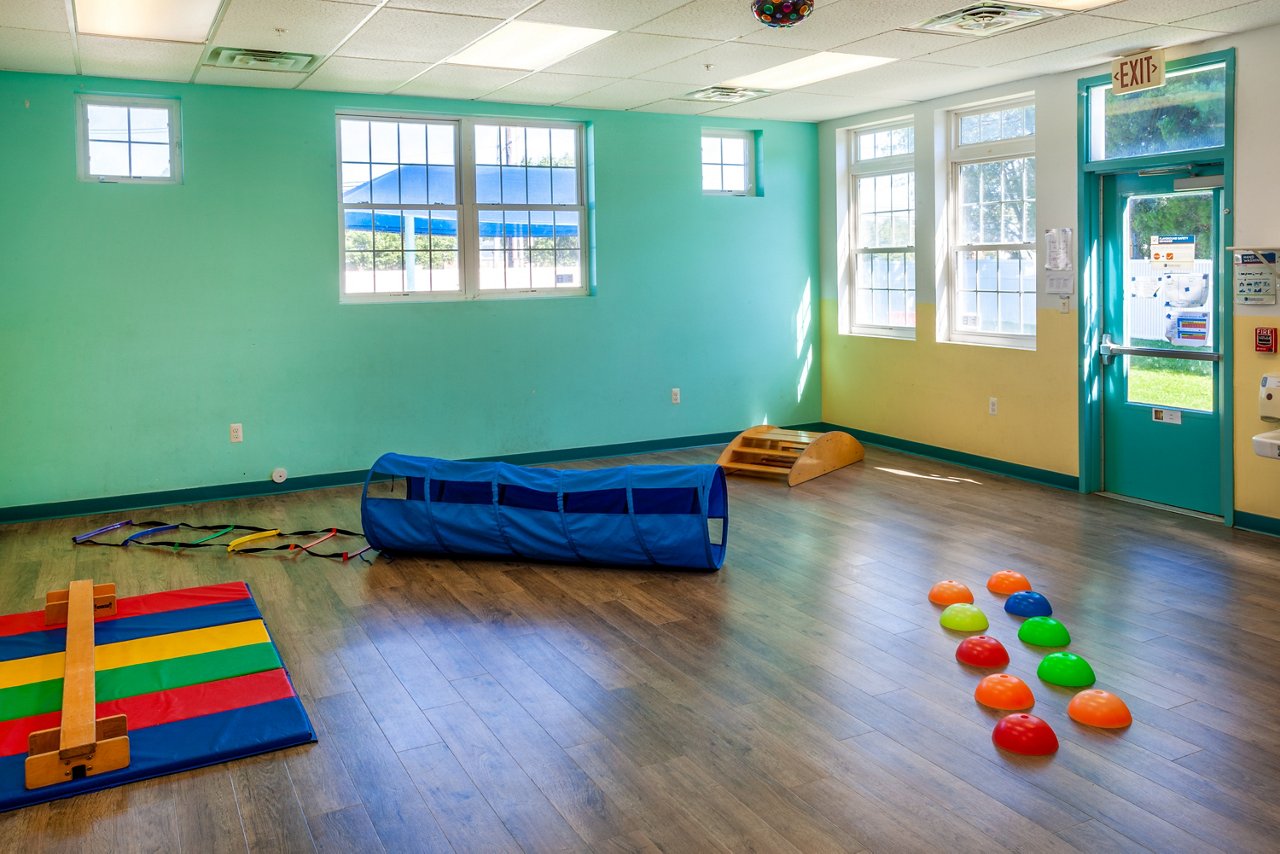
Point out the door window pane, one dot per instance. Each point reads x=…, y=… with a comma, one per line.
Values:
x=1188, y=112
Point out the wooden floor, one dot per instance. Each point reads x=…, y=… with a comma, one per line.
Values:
x=804, y=698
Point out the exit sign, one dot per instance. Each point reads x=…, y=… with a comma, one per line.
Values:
x=1138, y=72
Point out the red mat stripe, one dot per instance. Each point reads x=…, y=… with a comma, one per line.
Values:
x=162, y=707
x=137, y=606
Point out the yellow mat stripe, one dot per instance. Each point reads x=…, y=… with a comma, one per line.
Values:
x=41, y=668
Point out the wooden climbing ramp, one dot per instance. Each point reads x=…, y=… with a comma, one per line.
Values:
x=797, y=455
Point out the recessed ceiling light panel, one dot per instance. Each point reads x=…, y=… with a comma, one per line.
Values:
x=985, y=19
x=811, y=69
x=165, y=20
x=527, y=46
x=725, y=94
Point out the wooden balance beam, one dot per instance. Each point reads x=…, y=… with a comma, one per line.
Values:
x=84, y=745
x=797, y=455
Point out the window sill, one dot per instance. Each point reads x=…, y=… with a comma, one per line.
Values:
x=1003, y=342
x=901, y=333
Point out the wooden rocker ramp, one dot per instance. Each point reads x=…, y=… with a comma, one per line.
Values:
x=797, y=455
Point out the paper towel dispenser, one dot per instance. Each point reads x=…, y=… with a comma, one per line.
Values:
x=1269, y=398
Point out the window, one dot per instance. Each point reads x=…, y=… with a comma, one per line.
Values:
x=460, y=208
x=128, y=140
x=883, y=200
x=1189, y=112
x=728, y=162
x=992, y=298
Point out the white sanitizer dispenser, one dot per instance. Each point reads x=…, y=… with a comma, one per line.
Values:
x=1268, y=444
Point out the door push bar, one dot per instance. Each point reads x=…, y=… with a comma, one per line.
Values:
x=1108, y=350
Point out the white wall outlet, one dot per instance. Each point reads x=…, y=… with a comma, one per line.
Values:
x=992, y=406
x=237, y=433
x=279, y=475
x=675, y=395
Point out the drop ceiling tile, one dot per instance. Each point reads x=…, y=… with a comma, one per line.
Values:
x=844, y=21
x=1103, y=51
x=459, y=81
x=902, y=44
x=49, y=15
x=310, y=26
x=620, y=15
x=729, y=60
x=407, y=36
x=687, y=108
x=913, y=80
x=36, y=50
x=105, y=56
x=707, y=19
x=1161, y=11
x=1059, y=33
x=487, y=9
x=249, y=77
x=805, y=107
x=544, y=88
x=1238, y=19
x=627, y=54
x=347, y=74
x=627, y=95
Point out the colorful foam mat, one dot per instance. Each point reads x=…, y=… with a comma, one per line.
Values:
x=195, y=671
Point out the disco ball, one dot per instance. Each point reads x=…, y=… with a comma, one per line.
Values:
x=781, y=13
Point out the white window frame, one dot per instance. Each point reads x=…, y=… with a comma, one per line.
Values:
x=173, y=105
x=870, y=168
x=468, y=210
x=982, y=152
x=749, y=146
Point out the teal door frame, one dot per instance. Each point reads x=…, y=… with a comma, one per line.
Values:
x=1092, y=264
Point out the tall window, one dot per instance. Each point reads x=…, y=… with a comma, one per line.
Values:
x=992, y=295
x=459, y=209
x=883, y=197
x=728, y=162
x=128, y=140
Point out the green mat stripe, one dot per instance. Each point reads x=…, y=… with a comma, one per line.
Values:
x=38, y=698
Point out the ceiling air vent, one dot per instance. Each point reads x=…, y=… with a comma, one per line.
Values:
x=259, y=60
x=985, y=19
x=725, y=94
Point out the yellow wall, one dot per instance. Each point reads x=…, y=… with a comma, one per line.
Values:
x=1257, y=480
x=937, y=394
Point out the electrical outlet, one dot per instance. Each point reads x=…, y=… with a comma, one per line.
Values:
x=991, y=406
x=675, y=395
x=237, y=433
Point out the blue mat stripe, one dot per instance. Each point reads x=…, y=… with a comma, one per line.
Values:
x=180, y=746
x=132, y=628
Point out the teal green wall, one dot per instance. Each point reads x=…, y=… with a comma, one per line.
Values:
x=137, y=322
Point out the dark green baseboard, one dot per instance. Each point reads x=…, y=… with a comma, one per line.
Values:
x=1260, y=524
x=973, y=461
x=251, y=489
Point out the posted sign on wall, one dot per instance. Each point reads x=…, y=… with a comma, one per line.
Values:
x=1138, y=72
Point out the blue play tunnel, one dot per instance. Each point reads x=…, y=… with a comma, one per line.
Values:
x=675, y=516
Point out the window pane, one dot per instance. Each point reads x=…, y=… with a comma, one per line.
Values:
x=514, y=189
x=488, y=185
x=735, y=151
x=355, y=183
x=386, y=183
x=149, y=160
x=539, y=182
x=147, y=124
x=564, y=147
x=358, y=232
x=108, y=123
x=568, y=230
x=413, y=184
x=358, y=278
x=491, y=229
x=413, y=143
x=564, y=186
x=109, y=158
x=388, y=274
x=735, y=179
x=538, y=146
x=354, y=140
x=440, y=145
x=384, y=142
x=512, y=141
x=711, y=179
x=487, y=149
x=1187, y=113
x=711, y=150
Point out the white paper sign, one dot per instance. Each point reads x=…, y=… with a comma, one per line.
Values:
x=1177, y=250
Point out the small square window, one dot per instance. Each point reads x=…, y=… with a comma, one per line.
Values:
x=128, y=140
x=728, y=162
